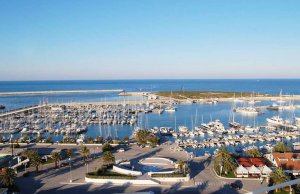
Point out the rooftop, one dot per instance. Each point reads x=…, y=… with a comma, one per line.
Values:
x=248, y=162
x=288, y=161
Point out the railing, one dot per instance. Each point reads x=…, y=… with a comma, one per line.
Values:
x=272, y=188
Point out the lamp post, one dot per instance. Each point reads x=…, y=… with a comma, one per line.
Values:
x=87, y=167
x=70, y=160
x=94, y=152
x=12, y=145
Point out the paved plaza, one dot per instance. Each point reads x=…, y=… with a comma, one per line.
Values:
x=203, y=178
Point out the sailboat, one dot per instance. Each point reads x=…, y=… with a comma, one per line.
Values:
x=232, y=122
x=297, y=119
x=160, y=110
x=170, y=107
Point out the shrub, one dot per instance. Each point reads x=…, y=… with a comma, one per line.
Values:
x=103, y=173
x=106, y=147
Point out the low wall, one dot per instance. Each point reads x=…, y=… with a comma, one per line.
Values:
x=164, y=172
x=172, y=179
x=120, y=181
x=126, y=171
x=144, y=161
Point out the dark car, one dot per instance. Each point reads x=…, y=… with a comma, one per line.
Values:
x=235, y=186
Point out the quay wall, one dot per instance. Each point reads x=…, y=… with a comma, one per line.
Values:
x=120, y=181
x=57, y=92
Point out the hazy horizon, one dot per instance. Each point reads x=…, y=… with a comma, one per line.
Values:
x=172, y=39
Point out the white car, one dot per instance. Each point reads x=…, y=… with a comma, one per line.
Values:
x=121, y=150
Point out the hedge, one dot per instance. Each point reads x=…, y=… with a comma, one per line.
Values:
x=110, y=177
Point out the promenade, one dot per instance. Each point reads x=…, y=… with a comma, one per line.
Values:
x=204, y=180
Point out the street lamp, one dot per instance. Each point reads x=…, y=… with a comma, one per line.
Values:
x=70, y=160
x=87, y=167
x=94, y=152
x=12, y=145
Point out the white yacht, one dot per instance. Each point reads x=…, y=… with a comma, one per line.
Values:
x=170, y=109
x=275, y=121
x=279, y=122
x=183, y=129
x=247, y=110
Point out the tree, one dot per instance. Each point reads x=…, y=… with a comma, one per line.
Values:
x=181, y=165
x=116, y=140
x=7, y=177
x=27, y=153
x=106, y=147
x=224, y=162
x=39, y=139
x=108, y=158
x=49, y=139
x=141, y=137
x=153, y=140
x=281, y=147
x=278, y=176
x=125, y=139
x=85, y=153
x=253, y=153
x=35, y=159
x=100, y=139
x=69, y=153
x=90, y=139
x=56, y=157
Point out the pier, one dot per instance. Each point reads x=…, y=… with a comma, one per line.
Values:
x=22, y=110
x=239, y=140
x=59, y=92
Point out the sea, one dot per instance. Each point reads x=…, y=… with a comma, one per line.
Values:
x=188, y=115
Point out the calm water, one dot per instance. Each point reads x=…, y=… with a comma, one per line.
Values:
x=12, y=102
x=184, y=116
x=272, y=86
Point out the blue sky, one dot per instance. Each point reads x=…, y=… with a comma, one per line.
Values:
x=126, y=39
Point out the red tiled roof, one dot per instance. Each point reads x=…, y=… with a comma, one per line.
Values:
x=248, y=162
x=287, y=161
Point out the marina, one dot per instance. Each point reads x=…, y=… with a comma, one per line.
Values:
x=149, y=97
x=165, y=116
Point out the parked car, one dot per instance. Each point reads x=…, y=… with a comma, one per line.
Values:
x=235, y=186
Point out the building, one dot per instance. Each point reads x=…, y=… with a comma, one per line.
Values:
x=289, y=161
x=252, y=167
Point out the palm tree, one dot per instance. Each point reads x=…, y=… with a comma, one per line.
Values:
x=108, y=158
x=56, y=158
x=106, y=147
x=35, y=160
x=278, y=176
x=141, y=136
x=181, y=165
x=224, y=161
x=85, y=152
x=253, y=153
x=7, y=177
x=281, y=147
x=27, y=153
x=126, y=139
x=69, y=153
